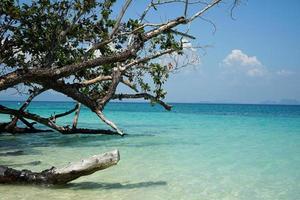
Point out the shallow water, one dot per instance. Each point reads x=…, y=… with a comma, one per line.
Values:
x=197, y=151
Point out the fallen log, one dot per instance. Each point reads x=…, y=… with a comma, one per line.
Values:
x=55, y=176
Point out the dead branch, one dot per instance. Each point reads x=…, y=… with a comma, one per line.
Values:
x=56, y=176
x=145, y=96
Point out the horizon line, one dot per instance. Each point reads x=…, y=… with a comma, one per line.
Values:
x=145, y=102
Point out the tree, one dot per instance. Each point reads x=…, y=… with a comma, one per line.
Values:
x=79, y=49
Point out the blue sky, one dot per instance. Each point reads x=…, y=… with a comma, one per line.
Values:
x=263, y=38
x=252, y=59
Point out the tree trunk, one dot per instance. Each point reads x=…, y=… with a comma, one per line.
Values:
x=62, y=175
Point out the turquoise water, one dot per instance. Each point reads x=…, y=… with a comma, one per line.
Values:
x=196, y=151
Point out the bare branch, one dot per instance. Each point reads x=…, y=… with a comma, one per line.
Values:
x=235, y=4
x=154, y=4
x=186, y=8
x=196, y=15
x=121, y=14
x=53, y=118
x=34, y=117
x=95, y=80
x=183, y=34
x=210, y=22
x=108, y=122
x=40, y=74
x=116, y=77
x=129, y=84
x=147, y=58
x=167, y=26
x=75, y=120
x=14, y=121
x=144, y=96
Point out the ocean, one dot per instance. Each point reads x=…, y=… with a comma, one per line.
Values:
x=194, y=152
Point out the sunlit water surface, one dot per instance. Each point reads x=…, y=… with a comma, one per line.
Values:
x=197, y=151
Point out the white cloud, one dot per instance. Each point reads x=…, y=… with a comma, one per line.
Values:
x=238, y=57
x=284, y=72
x=186, y=44
x=255, y=72
x=238, y=61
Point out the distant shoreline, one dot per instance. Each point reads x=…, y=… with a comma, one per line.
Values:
x=145, y=102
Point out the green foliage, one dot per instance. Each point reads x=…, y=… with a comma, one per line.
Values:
x=37, y=31
x=159, y=76
x=46, y=33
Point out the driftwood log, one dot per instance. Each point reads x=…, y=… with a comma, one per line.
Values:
x=60, y=175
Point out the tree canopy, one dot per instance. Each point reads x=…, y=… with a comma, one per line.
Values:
x=85, y=49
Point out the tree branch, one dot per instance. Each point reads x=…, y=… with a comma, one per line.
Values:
x=19, y=76
x=34, y=117
x=198, y=14
x=119, y=18
x=42, y=74
x=71, y=91
x=145, y=96
x=75, y=120
x=129, y=84
x=183, y=34
x=95, y=80
x=147, y=58
x=108, y=122
x=53, y=118
x=14, y=121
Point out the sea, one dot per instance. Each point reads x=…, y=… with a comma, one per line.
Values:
x=194, y=152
